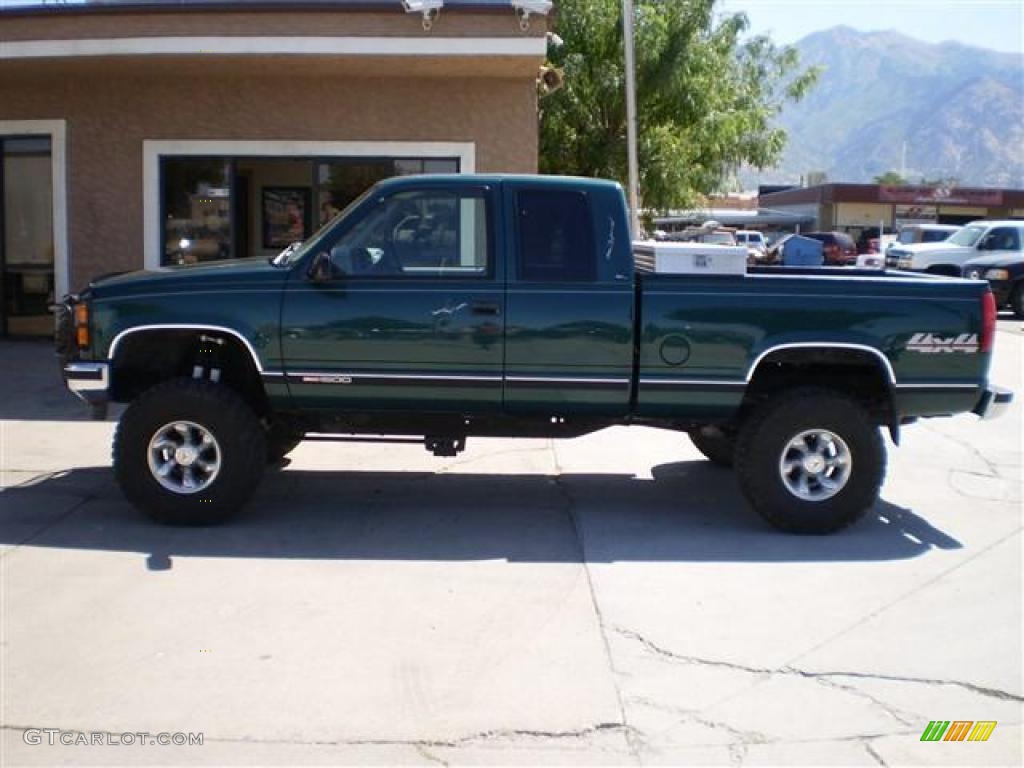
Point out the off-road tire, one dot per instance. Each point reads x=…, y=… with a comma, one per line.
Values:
x=282, y=439
x=719, y=448
x=771, y=427
x=1017, y=300
x=221, y=411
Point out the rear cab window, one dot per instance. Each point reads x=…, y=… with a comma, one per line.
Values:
x=555, y=236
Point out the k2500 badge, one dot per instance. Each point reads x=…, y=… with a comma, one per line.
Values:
x=930, y=344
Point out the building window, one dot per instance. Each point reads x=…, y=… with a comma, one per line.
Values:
x=232, y=207
x=197, y=209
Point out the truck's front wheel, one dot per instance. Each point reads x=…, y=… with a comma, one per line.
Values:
x=717, y=445
x=189, y=452
x=1017, y=300
x=810, y=461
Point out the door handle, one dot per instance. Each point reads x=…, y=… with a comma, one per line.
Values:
x=486, y=308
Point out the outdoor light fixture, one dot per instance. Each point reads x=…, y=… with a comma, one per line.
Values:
x=428, y=8
x=525, y=7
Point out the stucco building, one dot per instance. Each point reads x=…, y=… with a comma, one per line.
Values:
x=136, y=134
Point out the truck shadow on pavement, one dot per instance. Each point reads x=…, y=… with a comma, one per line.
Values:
x=689, y=512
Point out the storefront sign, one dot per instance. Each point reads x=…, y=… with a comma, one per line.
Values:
x=940, y=194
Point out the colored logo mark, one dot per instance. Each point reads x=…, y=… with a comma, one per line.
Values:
x=958, y=730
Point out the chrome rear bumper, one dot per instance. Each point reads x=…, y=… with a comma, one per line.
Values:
x=993, y=402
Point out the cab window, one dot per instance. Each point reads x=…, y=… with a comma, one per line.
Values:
x=421, y=233
x=1000, y=239
x=555, y=236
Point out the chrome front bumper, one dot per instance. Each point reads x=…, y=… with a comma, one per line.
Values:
x=91, y=382
x=993, y=402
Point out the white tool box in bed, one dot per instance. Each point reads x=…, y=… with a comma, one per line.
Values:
x=689, y=258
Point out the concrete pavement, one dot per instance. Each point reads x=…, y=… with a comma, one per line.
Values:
x=603, y=600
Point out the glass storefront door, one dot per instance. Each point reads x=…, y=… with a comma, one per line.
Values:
x=26, y=236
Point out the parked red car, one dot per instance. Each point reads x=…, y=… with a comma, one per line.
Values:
x=839, y=248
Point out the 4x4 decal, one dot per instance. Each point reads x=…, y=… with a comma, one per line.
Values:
x=930, y=344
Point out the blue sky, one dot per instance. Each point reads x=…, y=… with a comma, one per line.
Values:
x=996, y=24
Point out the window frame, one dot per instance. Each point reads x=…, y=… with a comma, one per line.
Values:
x=155, y=150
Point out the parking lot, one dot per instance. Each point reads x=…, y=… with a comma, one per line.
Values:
x=603, y=600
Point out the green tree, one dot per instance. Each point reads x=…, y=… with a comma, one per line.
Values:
x=891, y=179
x=705, y=98
x=815, y=178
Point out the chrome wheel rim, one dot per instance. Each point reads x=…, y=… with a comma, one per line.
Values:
x=184, y=457
x=815, y=465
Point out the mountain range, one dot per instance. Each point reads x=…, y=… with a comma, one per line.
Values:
x=886, y=102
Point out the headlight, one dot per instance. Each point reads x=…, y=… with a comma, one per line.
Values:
x=974, y=273
x=184, y=243
x=997, y=274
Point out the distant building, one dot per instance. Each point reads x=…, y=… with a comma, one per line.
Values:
x=855, y=207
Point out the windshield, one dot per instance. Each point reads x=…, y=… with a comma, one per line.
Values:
x=296, y=251
x=718, y=238
x=967, y=236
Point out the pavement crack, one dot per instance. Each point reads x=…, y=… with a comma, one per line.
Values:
x=55, y=521
x=828, y=676
x=740, y=741
x=993, y=469
x=420, y=745
x=428, y=755
x=994, y=693
x=631, y=735
x=900, y=716
x=664, y=652
x=449, y=466
x=869, y=748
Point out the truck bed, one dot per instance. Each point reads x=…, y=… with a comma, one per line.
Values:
x=706, y=336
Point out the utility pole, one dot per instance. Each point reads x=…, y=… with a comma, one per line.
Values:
x=634, y=174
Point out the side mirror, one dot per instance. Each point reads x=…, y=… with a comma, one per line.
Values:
x=320, y=270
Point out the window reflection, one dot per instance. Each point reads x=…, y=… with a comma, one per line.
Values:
x=197, y=210
x=223, y=207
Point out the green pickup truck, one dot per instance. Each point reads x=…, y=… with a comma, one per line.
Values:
x=456, y=306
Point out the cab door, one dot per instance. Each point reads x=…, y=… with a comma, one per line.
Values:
x=569, y=324
x=411, y=314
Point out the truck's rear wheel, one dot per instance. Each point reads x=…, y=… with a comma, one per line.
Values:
x=810, y=461
x=719, y=446
x=189, y=452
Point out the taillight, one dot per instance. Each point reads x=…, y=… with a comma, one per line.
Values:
x=988, y=321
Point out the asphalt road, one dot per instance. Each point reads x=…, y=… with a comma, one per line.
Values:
x=609, y=599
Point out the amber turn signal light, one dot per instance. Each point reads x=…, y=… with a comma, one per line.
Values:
x=82, y=325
